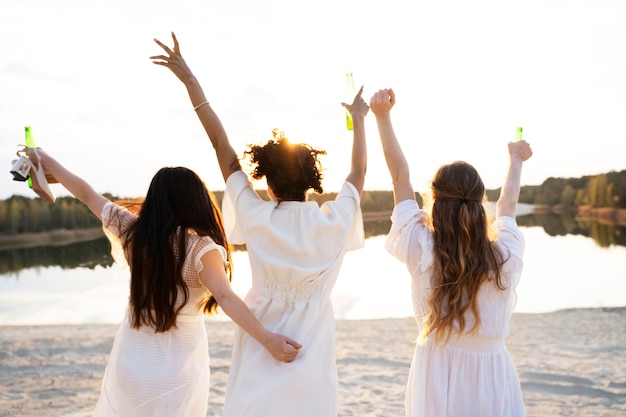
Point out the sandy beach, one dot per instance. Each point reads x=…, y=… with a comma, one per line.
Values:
x=571, y=363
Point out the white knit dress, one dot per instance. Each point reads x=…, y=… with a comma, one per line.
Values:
x=296, y=251
x=159, y=374
x=472, y=375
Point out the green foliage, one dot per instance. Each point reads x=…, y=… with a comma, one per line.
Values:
x=20, y=214
x=34, y=215
x=602, y=190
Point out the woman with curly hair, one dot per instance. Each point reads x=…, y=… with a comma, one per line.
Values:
x=463, y=282
x=296, y=249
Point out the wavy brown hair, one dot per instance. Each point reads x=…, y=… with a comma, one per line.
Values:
x=464, y=256
x=290, y=169
x=177, y=201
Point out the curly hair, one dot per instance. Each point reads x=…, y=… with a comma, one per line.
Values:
x=290, y=169
x=464, y=257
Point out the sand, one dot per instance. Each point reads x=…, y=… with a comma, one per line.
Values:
x=571, y=363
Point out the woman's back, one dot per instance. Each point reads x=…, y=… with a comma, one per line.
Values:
x=295, y=250
x=151, y=372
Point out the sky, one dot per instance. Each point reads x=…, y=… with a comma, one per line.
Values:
x=466, y=75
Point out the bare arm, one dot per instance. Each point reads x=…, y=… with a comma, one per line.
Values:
x=381, y=104
x=72, y=182
x=507, y=203
x=226, y=156
x=358, y=109
x=281, y=347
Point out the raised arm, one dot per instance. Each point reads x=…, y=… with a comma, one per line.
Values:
x=381, y=104
x=281, y=347
x=226, y=156
x=507, y=203
x=358, y=109
x=72, y=182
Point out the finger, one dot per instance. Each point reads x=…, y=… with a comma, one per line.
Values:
x=378, y=97
x=392, y=97
x=162, y=45
x=358, y=95
x=176, y=47
x=347, y=106
x=293, y=343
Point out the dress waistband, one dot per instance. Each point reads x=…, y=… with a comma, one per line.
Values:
x=470, y=343
x=288, y=293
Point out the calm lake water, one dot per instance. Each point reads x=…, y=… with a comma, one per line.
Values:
x=562, y=270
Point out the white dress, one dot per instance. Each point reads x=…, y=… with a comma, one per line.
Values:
x=295, y=251
x=159, y=374
x=472, y=375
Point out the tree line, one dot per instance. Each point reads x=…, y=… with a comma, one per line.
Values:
x=597, y=191
x=19, y=214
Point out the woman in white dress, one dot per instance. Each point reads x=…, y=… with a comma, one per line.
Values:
x=179, y=265
x=463, y=282
x=295, y=248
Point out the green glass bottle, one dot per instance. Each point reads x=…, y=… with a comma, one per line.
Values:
x=30, y=143
x=350, y=93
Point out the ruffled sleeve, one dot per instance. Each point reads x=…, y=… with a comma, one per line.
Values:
x=115, y=221
x=512, y=244
x=204, y=245
x=405, y=219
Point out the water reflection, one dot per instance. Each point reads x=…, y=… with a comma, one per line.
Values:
x=76, y=255
x=97, y=252
x=603, y=235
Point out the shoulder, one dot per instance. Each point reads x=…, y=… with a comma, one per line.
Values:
x=347, y=197
x=508, y=234
x=409, y=237
x=408, y=212
x=113, y=213
x=237, y=181
x=348, y=190
x=205, y=244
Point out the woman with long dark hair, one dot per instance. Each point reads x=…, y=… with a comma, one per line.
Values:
x=180, y=268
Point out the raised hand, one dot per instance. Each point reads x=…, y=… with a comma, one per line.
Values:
x=358, y=107
x=520, y=150
x=382, y=101
x=173, y=60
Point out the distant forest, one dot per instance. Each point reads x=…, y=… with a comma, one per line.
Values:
x=20, y=214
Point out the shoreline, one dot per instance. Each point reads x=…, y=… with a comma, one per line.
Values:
x=570, y=362
x=59, y=237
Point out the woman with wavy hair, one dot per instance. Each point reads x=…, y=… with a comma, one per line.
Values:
x=179, y=269
x=296, y=248
x=463, y=282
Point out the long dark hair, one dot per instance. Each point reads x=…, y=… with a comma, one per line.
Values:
x=177, y=201
x=464, y=257
x=290, y=169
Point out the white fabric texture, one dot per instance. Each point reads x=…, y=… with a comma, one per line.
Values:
x=160, y=374
x=472, y=374
x=295, y=251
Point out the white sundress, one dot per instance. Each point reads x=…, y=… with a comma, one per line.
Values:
x=159, y=374
x=295, y=251
x=472, y=375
